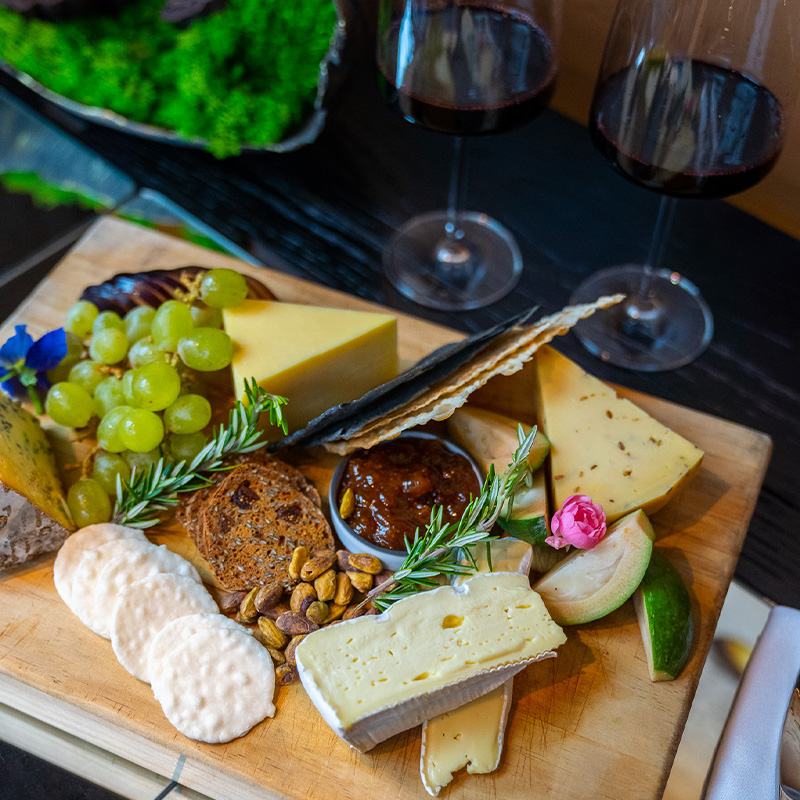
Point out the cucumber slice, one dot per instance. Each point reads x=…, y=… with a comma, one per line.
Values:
x=665, y=618
x=588, y=584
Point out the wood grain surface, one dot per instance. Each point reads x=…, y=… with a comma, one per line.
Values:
x=586, y=724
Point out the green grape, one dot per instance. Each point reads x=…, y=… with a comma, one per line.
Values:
x=188, y=414
x=171, y=323
x=108, y=431
x=223, y=288
x=185, y=446
x=59, y=374
x=88, y=503
x=106, y=320
x=109, y=346
x=72, y=357
x=74, y=350
x=70, y=405
x=155, y=386
x=88, y=375
x=127, y=386
x=141, y=461
x=206, y=349
x=204, y=316
x=108, y=394
x=80, y=319
x=145, y=352
x=141, y=430
x=138, y=321
x=106, y=468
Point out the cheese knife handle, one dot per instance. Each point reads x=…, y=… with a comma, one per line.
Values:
x=746, y=763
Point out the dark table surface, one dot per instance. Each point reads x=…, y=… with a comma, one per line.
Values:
x=325, y=213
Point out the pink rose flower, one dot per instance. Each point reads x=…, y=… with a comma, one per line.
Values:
x=579, y=522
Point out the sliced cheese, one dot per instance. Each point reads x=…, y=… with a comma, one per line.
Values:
x=375, y=676
x=493, y=439
x=316, y=357
x=472, y=736
x=34, y=518
x=604, y=446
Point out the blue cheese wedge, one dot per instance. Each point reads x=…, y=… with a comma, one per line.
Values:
x=472, y=736
x=375, y=676
x=33, y=518
x=604, y=446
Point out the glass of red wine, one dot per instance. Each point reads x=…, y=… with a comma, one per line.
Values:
x=464, y=69
x=690, y=101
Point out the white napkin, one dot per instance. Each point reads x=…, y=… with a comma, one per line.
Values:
x=747, y=758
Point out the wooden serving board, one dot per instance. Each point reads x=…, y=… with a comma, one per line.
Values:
x=588, y=723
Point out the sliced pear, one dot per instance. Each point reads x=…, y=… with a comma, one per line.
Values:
x=665, y=618
x=588, y=584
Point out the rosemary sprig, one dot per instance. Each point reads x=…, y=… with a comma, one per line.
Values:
x=441, y=548
x=155, y=489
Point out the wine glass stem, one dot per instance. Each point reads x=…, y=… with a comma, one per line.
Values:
x=644, y=315
x=452, y=253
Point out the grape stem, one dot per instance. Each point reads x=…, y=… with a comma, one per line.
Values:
x=150, y=492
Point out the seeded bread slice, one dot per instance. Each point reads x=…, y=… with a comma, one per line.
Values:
x=190, y=510
x=252, y=523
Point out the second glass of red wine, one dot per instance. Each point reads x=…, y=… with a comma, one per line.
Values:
x=464, y=69
x=690, y=101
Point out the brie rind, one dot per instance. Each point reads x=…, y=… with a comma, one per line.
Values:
x=470, y=736
x=473, y=735
x=375, y=676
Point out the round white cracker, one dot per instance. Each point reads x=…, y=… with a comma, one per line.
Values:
x=69, y=556
x=87, y=575
x=216, y=685
x=145, y=607
x=128, y=568
x=175, y=633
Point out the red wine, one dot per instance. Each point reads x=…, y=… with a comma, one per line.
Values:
x=687, y=128
x=467, y=69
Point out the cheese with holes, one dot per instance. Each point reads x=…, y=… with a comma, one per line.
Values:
x=316, y=357
x=472, y=735
x=604, y=446
x=375, y=676
x=33, y=510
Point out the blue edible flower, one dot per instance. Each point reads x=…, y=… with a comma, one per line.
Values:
x=25, y=362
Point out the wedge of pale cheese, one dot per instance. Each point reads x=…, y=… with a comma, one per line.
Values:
x=316, y=357
x=604, y=446
x=375, y=676
x=472, y=736
x=35, y=518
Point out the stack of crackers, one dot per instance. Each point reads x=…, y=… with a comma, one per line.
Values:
x=248, y=522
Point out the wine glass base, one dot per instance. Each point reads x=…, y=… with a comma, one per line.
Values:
x=481, y=264
x=685, y=325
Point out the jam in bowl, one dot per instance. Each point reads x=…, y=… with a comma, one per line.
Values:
x=380, y=496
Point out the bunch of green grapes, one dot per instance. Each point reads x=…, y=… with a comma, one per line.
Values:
x=130, y=375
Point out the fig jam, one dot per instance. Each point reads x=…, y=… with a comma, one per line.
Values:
x=397, y=483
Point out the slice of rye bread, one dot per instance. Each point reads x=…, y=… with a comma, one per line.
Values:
x=190, y=508
x=252, y=524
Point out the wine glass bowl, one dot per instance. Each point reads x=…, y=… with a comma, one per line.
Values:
x=690, y=102
x=463, y=69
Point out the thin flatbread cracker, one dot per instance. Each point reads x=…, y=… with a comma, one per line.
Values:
x=382, y=401
x=505, y=356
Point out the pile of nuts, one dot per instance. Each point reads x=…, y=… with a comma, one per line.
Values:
x=330, y=586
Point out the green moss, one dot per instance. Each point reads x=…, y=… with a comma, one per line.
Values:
x=245, y=75
x=47, y=195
